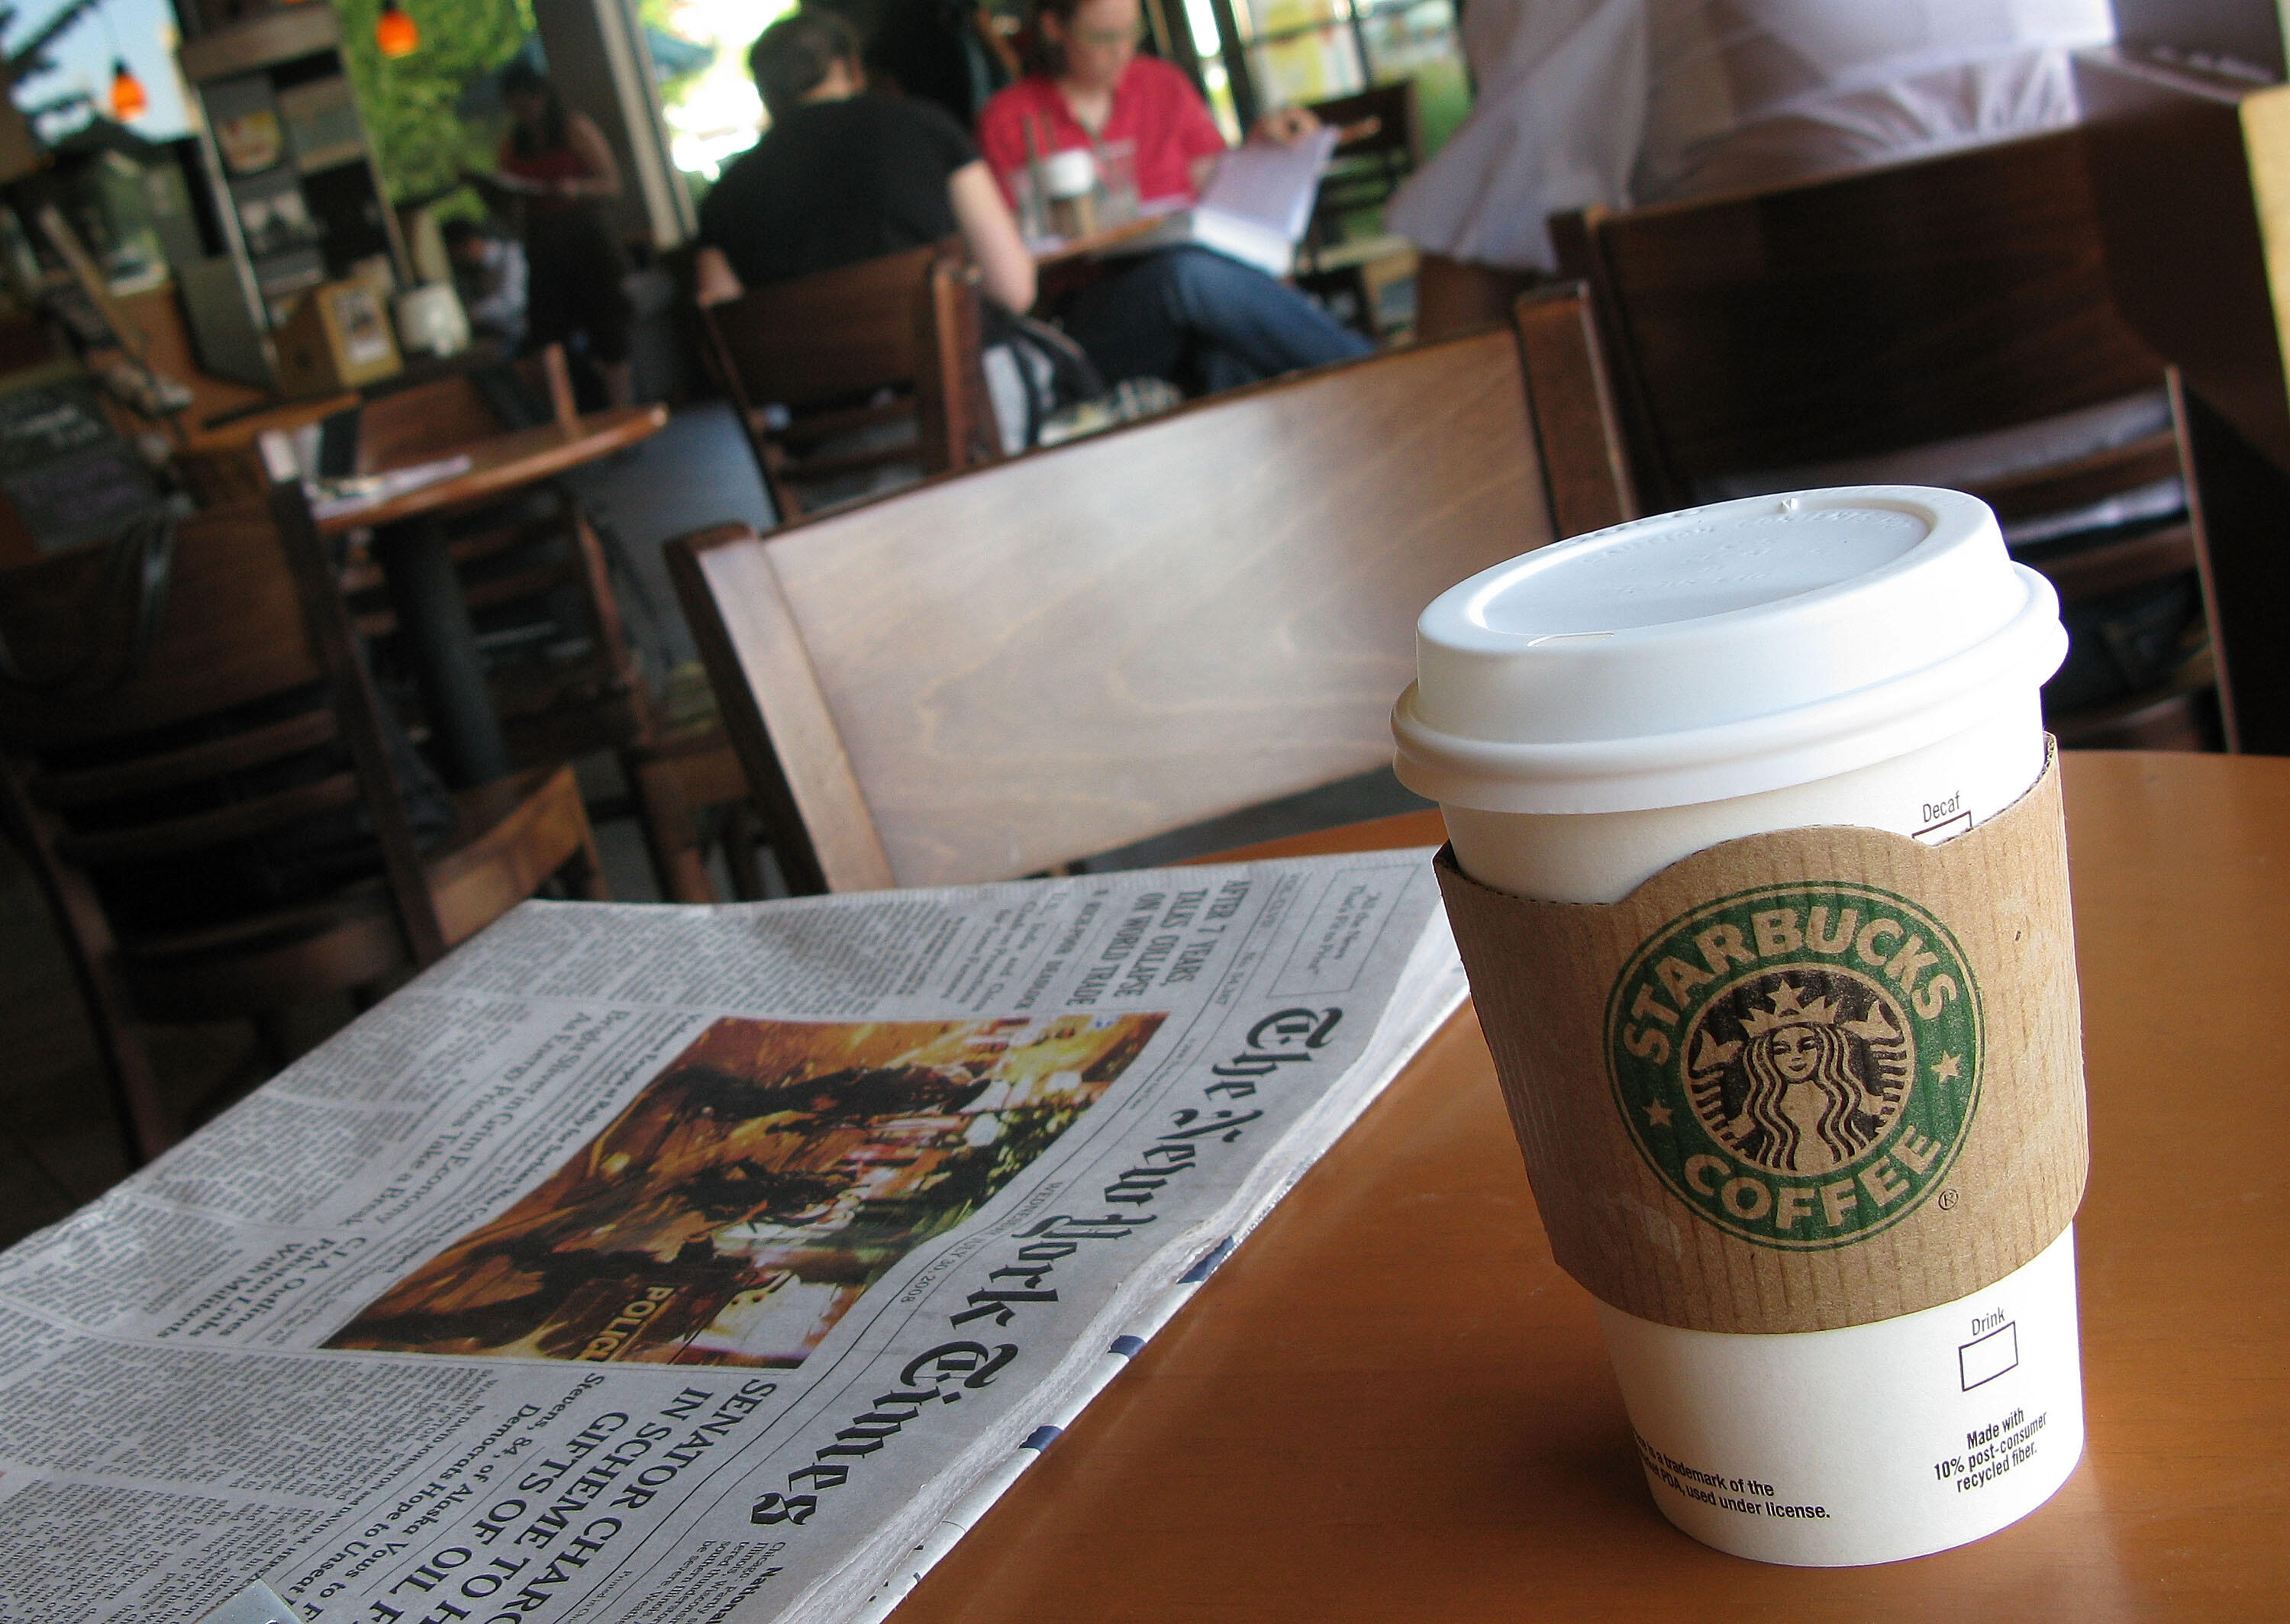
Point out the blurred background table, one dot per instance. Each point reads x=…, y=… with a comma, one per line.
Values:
x=1392, y=1404
x=415, y=555
x=1061, y=249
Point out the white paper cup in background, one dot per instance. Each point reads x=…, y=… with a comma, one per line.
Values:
x=1069, y=173
x=1587, y=715
x=430, y=320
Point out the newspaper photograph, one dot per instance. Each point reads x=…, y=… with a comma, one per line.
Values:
x=687, y=1265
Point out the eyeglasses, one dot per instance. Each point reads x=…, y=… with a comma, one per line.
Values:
x=1109, y=39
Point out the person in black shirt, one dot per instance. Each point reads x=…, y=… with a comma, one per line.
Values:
x=941, y=51
x=841, y=176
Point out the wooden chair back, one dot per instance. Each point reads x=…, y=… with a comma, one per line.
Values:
x=443, y=415
x=166, y=707
x=395, y=427
x=243, y=622
x=1380, y=144
x=805, y=361
x=1855, y=315
x=425, y=421
x=1863, y=314
x=1009, y=668
x=536, y=559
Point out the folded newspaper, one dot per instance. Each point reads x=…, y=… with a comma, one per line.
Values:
x=841, y=1207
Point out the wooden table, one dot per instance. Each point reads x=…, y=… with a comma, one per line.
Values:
x=1392, y=1406
x=1059, y=250
x=417, y=565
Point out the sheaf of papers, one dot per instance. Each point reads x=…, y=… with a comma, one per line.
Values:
x=1256, y=206
x=687, y=1264
x=1271, y=183
x=330, y=497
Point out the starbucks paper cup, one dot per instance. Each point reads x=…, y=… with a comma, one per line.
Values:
x=1758, y=869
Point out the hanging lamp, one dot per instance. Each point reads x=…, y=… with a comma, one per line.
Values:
x=128, y=99
x=394, y=32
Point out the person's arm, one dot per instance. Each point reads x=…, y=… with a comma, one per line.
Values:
x=1001, y=138
x=1006, y=270
x=604, y=177
x=1286, y=126
x=714, y=282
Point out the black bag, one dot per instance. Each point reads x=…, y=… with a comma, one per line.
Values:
x=1054, y=371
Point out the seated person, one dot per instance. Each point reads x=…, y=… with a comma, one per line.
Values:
x=841, y=176
x=1186, y=314
x=488, y=274
x=941, y=51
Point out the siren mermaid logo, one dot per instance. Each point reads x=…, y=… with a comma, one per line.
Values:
x=1798, y=1063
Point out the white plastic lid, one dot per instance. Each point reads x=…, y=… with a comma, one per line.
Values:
x=1721, y=651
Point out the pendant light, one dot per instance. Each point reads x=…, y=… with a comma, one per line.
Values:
x=394, y=32
x=128, y=99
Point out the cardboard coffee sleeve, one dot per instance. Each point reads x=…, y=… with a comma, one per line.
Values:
x=1798, y=1081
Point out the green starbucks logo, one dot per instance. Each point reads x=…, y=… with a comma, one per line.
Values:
x=1798, y=1063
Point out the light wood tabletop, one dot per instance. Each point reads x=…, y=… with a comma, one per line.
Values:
x=507, y=462
x=1390, y=1404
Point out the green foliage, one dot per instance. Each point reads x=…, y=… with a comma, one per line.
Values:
x=422, y=143
x=28, y=59
x=1442, y=101
x=656, y=15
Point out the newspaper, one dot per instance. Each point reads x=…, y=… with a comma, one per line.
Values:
x=687, y=1265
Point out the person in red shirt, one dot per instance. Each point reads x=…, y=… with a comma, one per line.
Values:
x=1188, y=315
x=1151, y=105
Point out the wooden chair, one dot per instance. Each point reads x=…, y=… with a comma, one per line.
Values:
x=1800, y=330
x=194, y=758
x=547, y=565
x=532, y=568
x=1380, y=144
x=826, y=371
x=537, y=560
x=1010, y=668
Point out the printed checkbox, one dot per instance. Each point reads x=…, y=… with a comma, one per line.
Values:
x=1984, y=1358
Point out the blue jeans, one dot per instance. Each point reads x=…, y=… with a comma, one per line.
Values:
x=1201, y=321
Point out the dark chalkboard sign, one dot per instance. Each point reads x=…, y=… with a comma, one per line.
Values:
x=71, y=477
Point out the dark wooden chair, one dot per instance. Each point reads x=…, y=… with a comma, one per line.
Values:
x=828, y=370
x=194, y=758
x=542, y=563
x=2184, y=166
x=1344, y=259
x=835, y=377
x=1006, y=669
x=534, y=571
x=536, y=560
x=1380, y=143
x=1805, y=332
